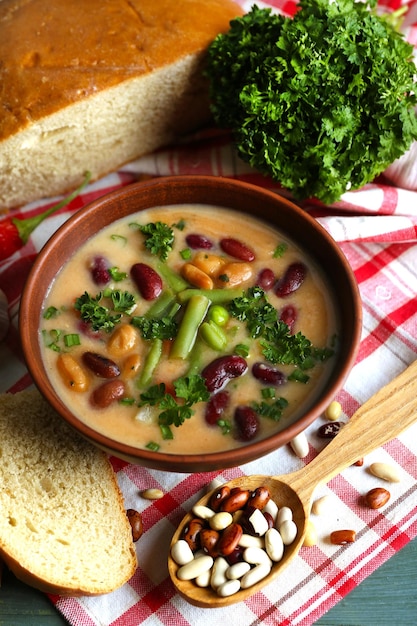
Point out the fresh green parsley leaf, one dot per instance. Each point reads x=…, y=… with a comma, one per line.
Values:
x=281, y=346
x=100, y=317
x=189, y=389
x=192, y=389
x=122, y=301
x=156, y=328
x=254, y=309
x=272, y=410
x=159, y=238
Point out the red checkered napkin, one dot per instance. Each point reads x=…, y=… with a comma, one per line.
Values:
x=377, y=230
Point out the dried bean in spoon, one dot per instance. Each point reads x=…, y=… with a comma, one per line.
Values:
x=382, y=418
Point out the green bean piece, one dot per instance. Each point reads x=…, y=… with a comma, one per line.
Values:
x=161, y=304
x=216, y=296
x=151, y=361
x=174, y=280
x=213, y=335
x=194, y=315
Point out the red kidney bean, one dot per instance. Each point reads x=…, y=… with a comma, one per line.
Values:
x=288, y=315
x=219, y=496
x=259, y=498
x=100, y=365
x=100, y=270
x=229, y=539
x=108, y=392
x=268, y=374
x=218, y=373
x=235, y=556
x=292, y=279
x=192, y=533
x=266, y=279
x=247, y=423
x=196, y=241
x=216, y=406
x=237, y=249
x=209, y=539
x=236, y=500
x=329, y=430
x=147, y=280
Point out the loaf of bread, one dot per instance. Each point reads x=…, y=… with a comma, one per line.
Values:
x=63, y=526
x=87, y=85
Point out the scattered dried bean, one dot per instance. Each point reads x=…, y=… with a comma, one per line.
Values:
x=385, y=471
x=377, y=497
x=136, y=524
x=329, y=431
x=342, y=537
x=333, y=411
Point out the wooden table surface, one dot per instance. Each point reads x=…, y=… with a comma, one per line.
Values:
x=386, y=598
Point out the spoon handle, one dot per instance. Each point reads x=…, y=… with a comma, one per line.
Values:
x=382, y=418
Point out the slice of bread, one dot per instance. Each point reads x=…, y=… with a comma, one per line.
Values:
x=89, y=86
x=63, y=526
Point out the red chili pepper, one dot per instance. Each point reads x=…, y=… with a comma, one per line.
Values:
x=15, y=232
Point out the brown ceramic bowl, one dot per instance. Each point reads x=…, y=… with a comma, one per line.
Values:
x=287, y=217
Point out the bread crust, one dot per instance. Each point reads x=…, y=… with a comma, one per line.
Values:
x=71, y=51
x=63, y=525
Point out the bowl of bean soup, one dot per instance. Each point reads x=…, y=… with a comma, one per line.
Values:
x=190, y=323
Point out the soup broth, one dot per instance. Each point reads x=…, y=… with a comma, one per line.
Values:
x=186, y=309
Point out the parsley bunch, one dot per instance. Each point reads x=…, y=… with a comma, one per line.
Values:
x=323, y=102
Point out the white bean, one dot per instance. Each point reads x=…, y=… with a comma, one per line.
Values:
x=194, y=568
x=385, y=471
x=214, y=484
x=274, y=545
x=220, y=521
x=321, y=505
x=203, y=512
x=204, y=579
x=284, y=514
x=228, y=588
x=259, y=522
x=237, y=570
x=218, y=572
x=288, y=531
x=256, y=556
x=249, y=541
x=255, y=575
x=181, y=552
x=333, y=411
x=271, y=507
x=300, y=445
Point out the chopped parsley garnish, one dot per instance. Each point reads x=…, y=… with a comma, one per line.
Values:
x=280, y=251
x=279, y=345
x=190, y=389
x=159, y=238
x=156, y=328
x=102, y=317
x=272, y=410
x=254, y=309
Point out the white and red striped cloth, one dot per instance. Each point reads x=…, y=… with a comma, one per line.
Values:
x=376, y=228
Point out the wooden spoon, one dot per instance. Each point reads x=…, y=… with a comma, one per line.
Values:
x=382, y=418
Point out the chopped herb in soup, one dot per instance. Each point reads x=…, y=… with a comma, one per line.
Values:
x=188, y=329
